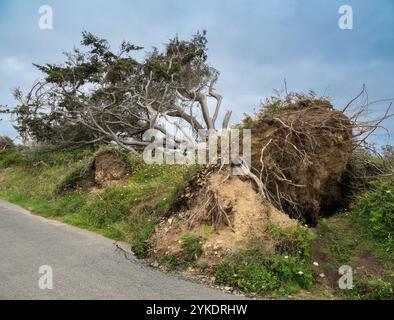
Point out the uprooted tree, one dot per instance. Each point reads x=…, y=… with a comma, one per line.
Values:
x=98, y=96
x=306, y=157
x=301, y=145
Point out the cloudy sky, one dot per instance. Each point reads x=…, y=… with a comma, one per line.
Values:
x=254, y=43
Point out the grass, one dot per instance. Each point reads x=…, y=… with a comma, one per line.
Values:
x=271, y=275
x=191, y=246
x=365, y=230
x=267, y=275
x=42, y=182
x=375, y=214
x=191, y=251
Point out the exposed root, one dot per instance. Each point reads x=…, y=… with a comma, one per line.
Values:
x=212, y=212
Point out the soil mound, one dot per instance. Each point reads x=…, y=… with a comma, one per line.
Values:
x=109, y=167
x=300, y=150
x=224, y=211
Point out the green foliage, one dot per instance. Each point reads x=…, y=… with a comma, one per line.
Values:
x=292, y=241
x=375, y=212
x=326, y=228
x=191, y=250
x=340, y=246
x=33, y=158
x=282, y=273
x=366, y=228
x=112, y=205
x=13, y=157
x=261, y=273
x=138, y=228
x=203, y=266
x=207, y=230
x=373, y=289
x=191, y=246
x=278, y=103
x=102, y=77
x=126, y=212
x=173, y=263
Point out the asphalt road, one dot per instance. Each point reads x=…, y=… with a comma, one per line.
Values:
x=84, y=265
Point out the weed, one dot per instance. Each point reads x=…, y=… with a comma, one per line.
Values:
x=292, y=241
x=191, y=246
x=203, y=266
x=375, y=213
x=207, y=230
x=173, y=263
x=373, y=289
x=257, y=272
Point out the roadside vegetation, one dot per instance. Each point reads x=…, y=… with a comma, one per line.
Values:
x=43, y=182
x=283, y=273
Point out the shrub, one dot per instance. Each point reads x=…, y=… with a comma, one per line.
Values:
x=141, y=225
x=256, y=272
x=292, y=241
x=173, y=263
x=13, y=157
x=375, y=211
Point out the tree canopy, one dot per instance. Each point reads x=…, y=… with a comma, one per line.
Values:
x=100, y=96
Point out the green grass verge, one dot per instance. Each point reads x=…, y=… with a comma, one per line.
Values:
x=41, y=182
x=271, y=275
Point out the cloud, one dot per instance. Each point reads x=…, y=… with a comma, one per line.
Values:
x=10, y=64
x=255, y=44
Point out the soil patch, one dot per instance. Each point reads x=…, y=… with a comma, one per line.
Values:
x=244, y=227
x=109, y=167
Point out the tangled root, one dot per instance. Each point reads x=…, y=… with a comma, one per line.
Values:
x=300, y=149
x=213, y=212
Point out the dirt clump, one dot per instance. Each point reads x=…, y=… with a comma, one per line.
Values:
x=301, y=147
x=109, y=167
